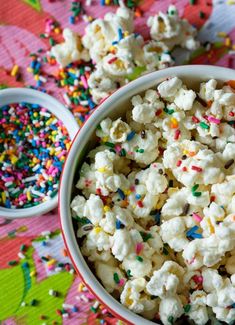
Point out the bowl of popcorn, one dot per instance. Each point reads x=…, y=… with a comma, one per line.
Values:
x=147, y=198
x=36, y=132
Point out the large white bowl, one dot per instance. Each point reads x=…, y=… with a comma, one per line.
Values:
x=17, y=95
x=115, y=106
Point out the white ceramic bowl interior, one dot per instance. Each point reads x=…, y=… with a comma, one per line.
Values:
x=115, y=106
x=17, y=95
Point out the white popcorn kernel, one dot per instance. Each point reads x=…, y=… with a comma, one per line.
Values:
x=169, y=87
x=69, y=51
x=170, y=306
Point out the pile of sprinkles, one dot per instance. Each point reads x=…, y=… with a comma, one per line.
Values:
x=33, y=146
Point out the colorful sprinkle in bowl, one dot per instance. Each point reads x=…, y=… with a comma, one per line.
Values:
x=114, y=107
x=24, y=95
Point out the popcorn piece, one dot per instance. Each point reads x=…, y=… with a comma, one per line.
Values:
x=121, y=244
x=172, y=30
x=100, y=34
x=184, y=99
x=106, y=273
x=131, y=295
x=170, y=309
x=169, y=87
x=71, y=50
x=198, y=311
x=166, y=280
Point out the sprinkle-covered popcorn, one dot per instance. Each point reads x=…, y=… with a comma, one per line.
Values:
x=155, y=207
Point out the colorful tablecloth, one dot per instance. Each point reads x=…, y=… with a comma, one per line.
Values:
x=42, y=288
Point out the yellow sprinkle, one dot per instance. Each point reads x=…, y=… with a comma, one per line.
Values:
x=126, y=33
x=2, y=157
x=36, y=77
x=233, y=47
x=57, y=30
x=28, y=196
x=174, y=123
x=102, y=169
x=29, y=69
x=230, y=2
x=48, y=164
x=105, y=139
x=51, y=262
x=63, y=75
x=107, y=2
x=97, y=230
x=14, y=159
x=67, y=146
x=32, y=273
x=106, y=208
x=112, y=48
x=3, y=197
x=35, y=114
x=212, y=229
x=52, y=151
x=22, y=229
x=221, y=34
x=185, y=152
x=227, y=41
x=62, y=82
x=80, y=287
x=127, y=192
x=35, y=160
x=14, y=70
x=75, y=94
x=48, y=122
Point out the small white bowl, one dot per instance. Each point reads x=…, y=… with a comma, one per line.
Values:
x=115, y=106
x=17, y=95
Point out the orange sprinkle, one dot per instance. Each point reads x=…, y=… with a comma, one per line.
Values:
x=231, y=83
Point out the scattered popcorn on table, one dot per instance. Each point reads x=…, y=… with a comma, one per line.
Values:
x=156, y=204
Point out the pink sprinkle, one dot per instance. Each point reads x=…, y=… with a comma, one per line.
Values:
x=138, y=248
x=84, y=81
x=192, y=260
x=197, y=278
x=118, y=148
x=112, y=60
x=104, y=311
x=8, y=179
x=212, y=119
x=90, y=296
x=121, y=282
x=196, y=217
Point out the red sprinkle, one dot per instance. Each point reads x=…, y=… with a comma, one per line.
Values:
x=140, y=204
x=98, y=191
x=58, y=312
x=179, y=162
x=212, y=198
x=195, y=119
x=184, y=169
x=231, y=113
x=177, y=134
x=197, y=169
x=112, y=60
x=158, y=112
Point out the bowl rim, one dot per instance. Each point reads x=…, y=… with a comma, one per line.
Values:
x=28, y=95
x=68, y=233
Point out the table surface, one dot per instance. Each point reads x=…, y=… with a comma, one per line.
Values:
x=22, y=21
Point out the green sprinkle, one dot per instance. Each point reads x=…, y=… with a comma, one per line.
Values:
x=140, y=150
x=197, y=194
x=51, y=41
x=170, y=319
x=139, y=258
x=109, y=144
x=13, y=262
x=33, y=302
x=94, y=310
x=145, y=236
x=187, y=308
x=204, y=125
x=123, y=152
x=165, y=251
x=195, y=187
x=22, y=248
x=168, y=111
x=116, y=278
x=128, y=273
x=201, y=14
x=192, y=2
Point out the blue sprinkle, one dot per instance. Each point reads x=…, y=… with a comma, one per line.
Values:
x=8, y=204
x=74, y=309
x=34, y=105
x=118, y=224
x=25, y=265
x=157, y=218
x=32, y=64
x=191, y=231
x=44, y=243
x=91, y=104
x=196, y=235
x=72, y=20
x=114, y=43
x=102, y=2
x=120, y=34
x=130, y=136
x=121, y=194
x=138, y=196
x=233, y=305
x=38, y=65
